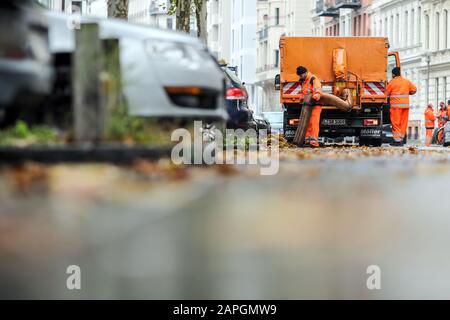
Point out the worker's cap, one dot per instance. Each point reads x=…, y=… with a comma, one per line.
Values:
x=442, y=103
x=396, y=71
x=301, y=70
x=430, y=105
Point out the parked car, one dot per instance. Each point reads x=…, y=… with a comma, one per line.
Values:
x=240, y=115
x=165, y=74
x=262, y=124
x=25, y=62
x=276, y=120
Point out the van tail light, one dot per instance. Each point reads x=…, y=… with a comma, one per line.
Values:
x=371, y=122
x=13, y=54
x=236, y=94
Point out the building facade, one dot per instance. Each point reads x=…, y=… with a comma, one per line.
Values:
x=343, y=18
x=68, y=6
x=219, y=29
x=420, y=31
x=152, y=12
x=231, y=28
x=243, y=43
x=275, y=19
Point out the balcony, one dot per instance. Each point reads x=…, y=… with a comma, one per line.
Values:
x=325, y=8
x=266, y=67
x=156, y=9
x=347, y=4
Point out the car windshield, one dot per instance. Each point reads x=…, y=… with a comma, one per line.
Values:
x=234, y=78
x=274, y=117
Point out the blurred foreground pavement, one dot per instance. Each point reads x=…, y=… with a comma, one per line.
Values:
x=152, y=231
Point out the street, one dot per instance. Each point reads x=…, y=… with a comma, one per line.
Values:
x=157, y=231
x=221, y=158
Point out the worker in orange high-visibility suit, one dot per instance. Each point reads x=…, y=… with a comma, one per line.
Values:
x=448, y=110
x=442, y=119
x=398, y=90
x=311, y=85
x=430, y=120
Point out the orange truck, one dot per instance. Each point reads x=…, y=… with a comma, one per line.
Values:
x=359, y=64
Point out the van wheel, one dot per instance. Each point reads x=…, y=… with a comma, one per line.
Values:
x=435, y=139
x=370, y=142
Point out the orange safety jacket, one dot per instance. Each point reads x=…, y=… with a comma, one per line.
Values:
x=312, y=85
x=399, y=90
x=441, y=117
x=430, y=118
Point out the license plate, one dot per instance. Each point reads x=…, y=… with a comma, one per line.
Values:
x=373, y=133
x=334, y=122
x=289, y=133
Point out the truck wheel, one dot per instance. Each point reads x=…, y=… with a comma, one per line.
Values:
x=370, y=142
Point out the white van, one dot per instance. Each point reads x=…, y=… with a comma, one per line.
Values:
x=158, y=68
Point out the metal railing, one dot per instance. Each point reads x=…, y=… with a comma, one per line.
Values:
x=320, y=6
x=266, y=67
x=326, y=8
x=348, y=3
x=264, y=33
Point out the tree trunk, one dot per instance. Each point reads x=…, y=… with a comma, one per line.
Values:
x=201, y=15
x=118, y=9
x=183, y=15
x=88, y=107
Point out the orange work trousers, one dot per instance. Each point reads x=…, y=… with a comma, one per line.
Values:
x=312, y=133
x=429, y=136
x=399, y=120
x=441, y=133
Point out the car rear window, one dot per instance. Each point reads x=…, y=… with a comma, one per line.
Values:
x=232, y=76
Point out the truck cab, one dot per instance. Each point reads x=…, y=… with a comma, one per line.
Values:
x=359, y=64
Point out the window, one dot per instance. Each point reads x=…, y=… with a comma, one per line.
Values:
x=77, y=7
x=412, y=37
x=445, y=46
x=436, y=90
x=427, y=32
x=392, y=63
x=405, y=28
x=385, y=26
x=242, y=67
x=364, y=25
x=437, y=33
x=277, y=58
x=232, y=40
x=359, y=25
x=419, y=24
x=391, y=30
x=242, y=37
x=277, y=16
x=397, y=30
